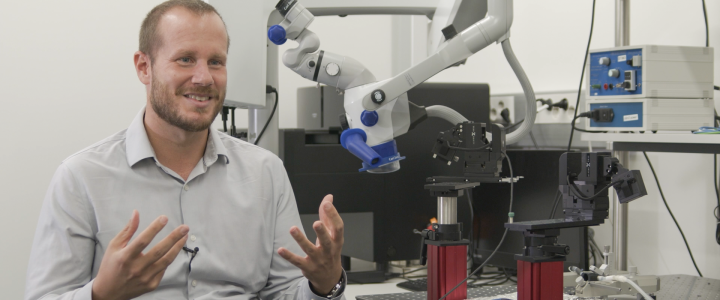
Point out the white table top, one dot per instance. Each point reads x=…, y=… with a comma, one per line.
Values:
x=387, y=287
x=648, y=137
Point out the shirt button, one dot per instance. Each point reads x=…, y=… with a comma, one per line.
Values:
x=186, y=188
x=192, y=238
x=194, y=283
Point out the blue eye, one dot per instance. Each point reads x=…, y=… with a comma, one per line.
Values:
x=185, y=59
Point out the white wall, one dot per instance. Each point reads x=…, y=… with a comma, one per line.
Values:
x=69, y=81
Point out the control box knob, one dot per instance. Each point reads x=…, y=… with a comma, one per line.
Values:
x=614, y=73
x=605, y=61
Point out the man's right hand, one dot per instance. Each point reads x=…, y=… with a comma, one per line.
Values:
x=125, y=272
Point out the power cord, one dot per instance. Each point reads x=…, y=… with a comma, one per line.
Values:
x=512, y=188
x=577, y=102
x=472, y=220
x=268, y=90
x=583, y=130
x=671, y=214
x=582, y=76
x=707, y=30
x=717, y=195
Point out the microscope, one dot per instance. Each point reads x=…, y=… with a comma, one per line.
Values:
x=378, y=111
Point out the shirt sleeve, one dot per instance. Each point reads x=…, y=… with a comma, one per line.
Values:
x=285, y=281
x=63, y=249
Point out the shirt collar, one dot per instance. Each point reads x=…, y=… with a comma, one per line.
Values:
x=214, y=149
x=138, y=145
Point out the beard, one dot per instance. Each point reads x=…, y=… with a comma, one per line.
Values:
x=164, y=105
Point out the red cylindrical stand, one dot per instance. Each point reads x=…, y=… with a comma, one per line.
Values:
x=447, y=266
x=540, y=281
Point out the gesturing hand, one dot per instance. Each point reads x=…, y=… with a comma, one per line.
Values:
x=125, y=272
x=322, y=265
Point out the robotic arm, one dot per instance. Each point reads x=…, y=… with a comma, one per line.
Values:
x=377, y=112
x=493, y=28
x=320, y=66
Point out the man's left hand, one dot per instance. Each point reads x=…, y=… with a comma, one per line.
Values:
x=322, y=265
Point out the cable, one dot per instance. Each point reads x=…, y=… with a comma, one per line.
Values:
x=671, y=214
x=467, y=149
x=445, y=113
x=269, y=89
x=582, y=75
x=717, y=192
x=557, y=200
x=413, y=271
x=582, y=196
x=628, y=281
x=707, y=30
x=583, y=130
x=595, y=248
x=515, y=136
x=507, y=129
x=512, y=187
x=532, y=137
x=472, y=220
x=509, y=277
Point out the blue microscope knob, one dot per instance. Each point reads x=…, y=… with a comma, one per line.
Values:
x=276, y=34
x=369, y=118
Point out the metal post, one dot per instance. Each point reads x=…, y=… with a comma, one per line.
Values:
x=620, y=222
x=447, y=210
x=258, y=117
x=622, y=23
x=620, y=211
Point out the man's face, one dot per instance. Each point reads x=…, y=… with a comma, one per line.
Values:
x=188, y=71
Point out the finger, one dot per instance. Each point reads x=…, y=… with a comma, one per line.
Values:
x=122, y=238
x=158, y=251
x=323, y=235
x=307, y=246
x=331, y=218
x=144, y=238
x=161, y=264
x=323, y=208
x=157, y=279
x=292, y=257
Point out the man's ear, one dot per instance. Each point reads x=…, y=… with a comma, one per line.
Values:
x=142, y=67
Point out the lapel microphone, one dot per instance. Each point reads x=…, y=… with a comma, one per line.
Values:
x=192, y=252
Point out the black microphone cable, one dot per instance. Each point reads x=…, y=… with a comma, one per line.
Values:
x=192, y=252
x=268, y=90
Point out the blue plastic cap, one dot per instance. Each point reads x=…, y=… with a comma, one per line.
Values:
x=369, y=118
x=354, y=141
x=276, y=34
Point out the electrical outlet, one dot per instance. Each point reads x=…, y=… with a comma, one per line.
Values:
x=498, y=104
x=555, y=115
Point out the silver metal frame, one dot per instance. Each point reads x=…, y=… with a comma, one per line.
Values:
x=620, y=211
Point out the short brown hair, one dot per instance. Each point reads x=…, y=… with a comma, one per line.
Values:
x=150, y=41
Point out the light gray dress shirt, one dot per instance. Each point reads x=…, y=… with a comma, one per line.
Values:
x=237, y=201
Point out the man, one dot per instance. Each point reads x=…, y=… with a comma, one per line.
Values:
x=223, y=206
